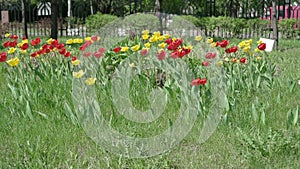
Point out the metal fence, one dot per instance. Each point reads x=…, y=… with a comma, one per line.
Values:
x=38, y=18
x=39, y=21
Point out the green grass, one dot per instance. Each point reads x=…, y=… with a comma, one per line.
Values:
x=53, y=141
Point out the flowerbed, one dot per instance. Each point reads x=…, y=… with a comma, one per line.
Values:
x=30, y=65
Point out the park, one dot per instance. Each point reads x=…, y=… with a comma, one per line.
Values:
x=166, y=84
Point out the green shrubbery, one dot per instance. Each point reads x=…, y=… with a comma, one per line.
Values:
x=98, y=20
x=234, y=27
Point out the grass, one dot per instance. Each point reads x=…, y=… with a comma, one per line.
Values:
x=53, y=141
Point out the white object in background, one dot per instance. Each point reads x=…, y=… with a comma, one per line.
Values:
x=269, y=44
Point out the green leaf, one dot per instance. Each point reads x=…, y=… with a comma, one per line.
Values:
x=263, y=117
x=288, y=118
x=28, y=110
x=258, y=81
x=254, y=113
x=295, y=115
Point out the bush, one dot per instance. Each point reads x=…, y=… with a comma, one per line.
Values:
x=98, y=20
x=192, y=19
x=136, y=23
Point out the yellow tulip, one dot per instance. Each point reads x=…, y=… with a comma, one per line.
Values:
x=20, y=44
x=77, y=40
x=241, y=44
x=256, y=50
x=161, y=38
x=153, y=39
x=90, y=81
x=24, y=41
x=166, y=36
x=135, y=48
x=78, y=74
x=258, y=58
x=226, y=59
x=188, y=47
x=124, y=49
x=198, y=38
x=11, y=50
x=145, y=32
x=246, y=49
x=249, y=41
x=219, y=63
x=75, y=62
x=259, y=42
x=157, y=34
x=161, y=45
x=13, y=62
x=87, y=38
x=145, y=36
x=147, y=45
x=209, y=40
x=23, y=51
x=69, y=41
x=213, y=44
x=7, y=35
x=49, y=41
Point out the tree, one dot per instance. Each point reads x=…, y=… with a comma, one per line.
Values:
x=274, y=24
x=24, y=21
x=54, y=17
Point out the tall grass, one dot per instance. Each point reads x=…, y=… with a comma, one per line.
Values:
x=52, y=139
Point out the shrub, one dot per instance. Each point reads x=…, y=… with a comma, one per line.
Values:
x=99, y=20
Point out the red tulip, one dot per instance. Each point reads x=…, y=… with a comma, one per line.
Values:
x=13, y=37
x=73, y=58
x=243, y=60
x=60, y=46
x=223, y=43
x=6, y=44
x=62, y=51
x=261, y=46
x=161, y=55
x=94, y=38
x=13, y=43
x=24, y=46
x=2, y=57
x=117, y=49
x=144, y=52
x=101, y=50
x=168, y=41
x=174, y=54
x=206, y=63
x=33, y=54
x=198, y=81
x=37, y=40
x=32, y=42
x=87, y=54
x=97, y=54
x=210, y=55
x=67, y=54
x=171, y=46
x=234, y=49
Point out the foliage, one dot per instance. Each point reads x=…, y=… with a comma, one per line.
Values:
x=98, y=20
x=40, y=143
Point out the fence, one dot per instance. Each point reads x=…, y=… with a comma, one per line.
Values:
x=38, y=18
x=39, y=21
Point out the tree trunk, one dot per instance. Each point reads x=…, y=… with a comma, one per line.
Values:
x=54, y=17
x=25, y=33
x=91, y=6
x=274, y=25
x=157, y=10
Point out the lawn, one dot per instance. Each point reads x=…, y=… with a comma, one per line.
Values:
x=51, y=138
